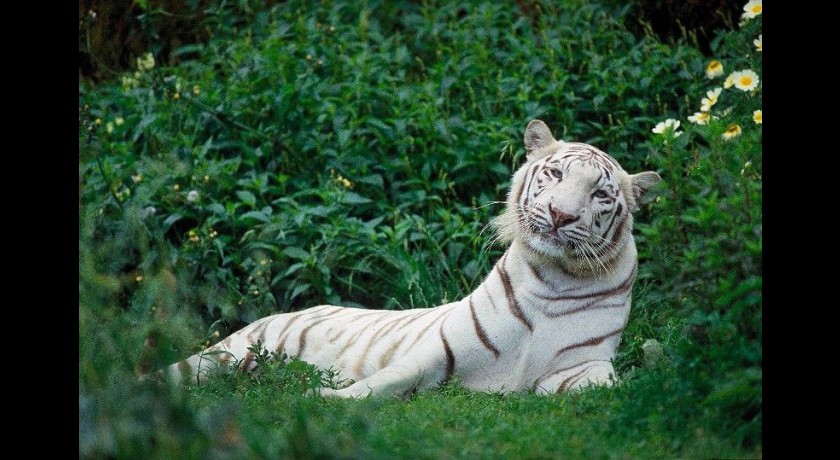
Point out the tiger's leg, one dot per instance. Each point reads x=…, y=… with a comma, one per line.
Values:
x=579, y=376
x=398, y=379
x=223, y=356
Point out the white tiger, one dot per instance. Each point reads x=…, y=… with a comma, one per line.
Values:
x=547, y=318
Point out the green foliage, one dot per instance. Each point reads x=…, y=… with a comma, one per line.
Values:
x=354, y=154
x=707, y=228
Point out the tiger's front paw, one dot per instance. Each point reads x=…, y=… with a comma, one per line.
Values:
x=343, y=393
x=327, y=392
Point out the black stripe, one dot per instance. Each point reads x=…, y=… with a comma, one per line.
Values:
x=305, y=331
x=513, y=304
x=422, y=333
x=590, y=342
x=490, y=298
x=385, y=359
x=450, y=357
x=562, y=386
x=618, y=211
x=282, y=338
x=526, y=188
x=591, y=305
x=185, y=367
x=480, y=331
x=625, y=285
x=535, y=271
x=249, y=358
x=554, y=372
x=374, y=340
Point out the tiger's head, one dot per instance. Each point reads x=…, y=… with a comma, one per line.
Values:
x=571, y=202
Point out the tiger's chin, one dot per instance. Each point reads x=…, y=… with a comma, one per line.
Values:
x=551, y=245
x=567, y=253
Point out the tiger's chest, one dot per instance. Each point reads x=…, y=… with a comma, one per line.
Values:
x=510, y=348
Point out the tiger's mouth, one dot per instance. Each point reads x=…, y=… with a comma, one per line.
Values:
x=560, y=240
x=567, y=242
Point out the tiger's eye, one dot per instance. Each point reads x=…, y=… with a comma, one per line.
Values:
x=600, y=194
x=556, y=173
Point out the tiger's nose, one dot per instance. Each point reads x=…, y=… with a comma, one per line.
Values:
x=560, y=218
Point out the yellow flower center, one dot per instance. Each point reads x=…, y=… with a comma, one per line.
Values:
x=756, y=9
x=732, y=129
x=714, y=65
x=746, y=80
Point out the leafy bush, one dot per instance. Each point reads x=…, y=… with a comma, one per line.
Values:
x=354, y=154
x=709, y=224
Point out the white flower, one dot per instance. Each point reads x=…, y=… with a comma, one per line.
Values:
x=729, y=81
x=745, y=80
x=710, y=99
x=731, y=132
x=146, y=62
x=663, y=125
x=757, y=117
x=746, y=168
x=192, y=196
x=757, y=43
x=751, y=9
x=148, y=211
x=669, y=125
x=700, y=118
x=714, y=69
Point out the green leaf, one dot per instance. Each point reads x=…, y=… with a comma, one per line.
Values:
x=373, y=179
x=354, y=198
x=171, y=219
x=259, y=215
x=217, y=208
x=293, y=268
x=144, y=123
x=295, y=252
x=187, y=49
x=299, y=290
x=247, y=197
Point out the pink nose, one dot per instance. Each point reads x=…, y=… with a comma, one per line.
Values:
x=560, y=218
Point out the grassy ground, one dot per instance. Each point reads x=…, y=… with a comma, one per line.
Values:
x=351, y=154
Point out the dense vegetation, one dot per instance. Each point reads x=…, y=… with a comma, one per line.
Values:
x=354, y=154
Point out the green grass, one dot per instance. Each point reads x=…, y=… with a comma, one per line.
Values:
x=354, y=155
x=240, y=419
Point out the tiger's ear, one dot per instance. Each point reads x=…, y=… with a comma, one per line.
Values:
x=537, y=136
x=642, y=183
